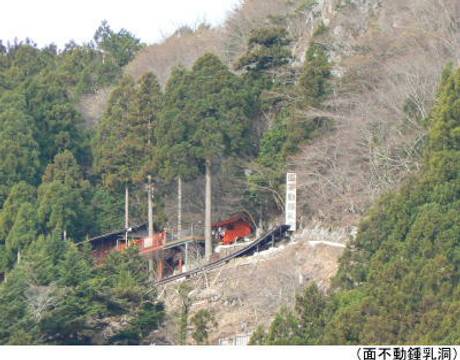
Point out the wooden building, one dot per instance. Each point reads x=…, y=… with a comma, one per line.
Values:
x=137, y=236
x=237, y=226
x=172, y=251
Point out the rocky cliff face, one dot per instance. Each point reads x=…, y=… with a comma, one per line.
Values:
x=387, y=56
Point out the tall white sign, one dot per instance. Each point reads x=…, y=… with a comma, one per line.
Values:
x=291, y=200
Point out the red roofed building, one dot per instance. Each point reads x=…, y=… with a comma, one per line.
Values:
x=236, y=227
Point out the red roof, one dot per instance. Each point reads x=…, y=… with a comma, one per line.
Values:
x=232, y=220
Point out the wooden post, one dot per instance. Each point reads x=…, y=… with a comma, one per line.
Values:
x=186, y=257
x=160, y=269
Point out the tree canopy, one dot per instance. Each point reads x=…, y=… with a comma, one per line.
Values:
x=216, y=109
x=121, y=45
x=267, y=49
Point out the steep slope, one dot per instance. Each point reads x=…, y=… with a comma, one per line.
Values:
x=388, y=57
x=249, y=291
x=398, y=281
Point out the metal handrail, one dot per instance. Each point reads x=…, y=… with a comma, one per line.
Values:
x=270, y=235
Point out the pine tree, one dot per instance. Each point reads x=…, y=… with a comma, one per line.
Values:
x=284, y=330
x=23, y=232
x=125, y=142
x=74, y=268
x=14, y=315
x=203, y=322
x=122, y=45
x=267, y=49
x=174, y=157
x=42, y=257
x=110, y=162
x=119, y=144
x=174, y=154
x=107, y=210
x=314, y=80
x=66, y=170
x=310, y=307
x=19, y=152
x=148, y=103
x=19, y=194
x=445, y=119
x=63, y=198
x=217, y=117
x=58, y=125
x=259, y=336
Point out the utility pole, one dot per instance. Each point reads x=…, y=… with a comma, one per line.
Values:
x=149, y=201
x=126, y=214
x=150, y=213
x=150, y=220
x=179, y=218
x=179, y=207
x=207, y=217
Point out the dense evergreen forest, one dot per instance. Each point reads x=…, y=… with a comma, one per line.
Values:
x=63, y=179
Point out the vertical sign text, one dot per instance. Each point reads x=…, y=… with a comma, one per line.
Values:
x=291, y=200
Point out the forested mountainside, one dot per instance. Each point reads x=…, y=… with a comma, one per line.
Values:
x=398, y=282
x=342, y=92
